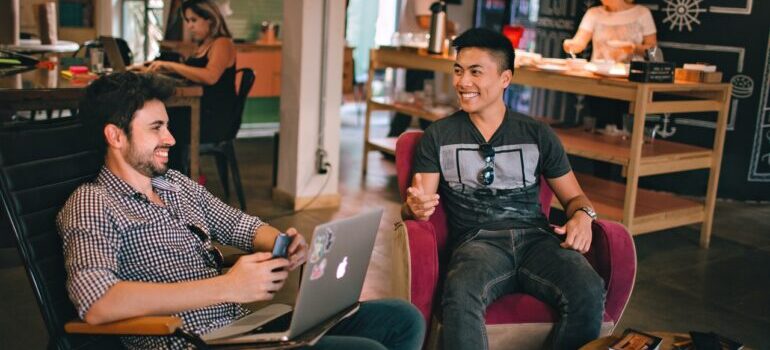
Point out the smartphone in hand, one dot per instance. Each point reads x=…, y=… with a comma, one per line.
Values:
x=281, y=246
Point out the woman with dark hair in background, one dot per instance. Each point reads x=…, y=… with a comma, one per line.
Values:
x=212, y=65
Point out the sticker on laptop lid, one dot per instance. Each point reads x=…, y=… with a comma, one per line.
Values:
x=318, y=270
x=329, y=239
x=317, y=250
x=322, y=243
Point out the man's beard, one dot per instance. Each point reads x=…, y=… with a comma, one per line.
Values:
x=144, y=164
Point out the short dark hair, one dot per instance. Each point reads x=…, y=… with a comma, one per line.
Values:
x=496, y=43
x=115, y=98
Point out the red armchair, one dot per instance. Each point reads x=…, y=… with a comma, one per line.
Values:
x=516, y=320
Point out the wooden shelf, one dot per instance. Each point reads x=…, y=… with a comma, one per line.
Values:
x=388, y=144
x=413, y=109
x=654, y=210
x=385, y=144
x=658, y=157
x=386, y=58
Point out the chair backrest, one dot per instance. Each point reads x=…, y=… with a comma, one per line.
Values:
x=41, y=164
x=247, y=81
x=405, y=149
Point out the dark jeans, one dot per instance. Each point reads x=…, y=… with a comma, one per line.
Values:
x=415, y=80
x=379, y=324
x=496, y=263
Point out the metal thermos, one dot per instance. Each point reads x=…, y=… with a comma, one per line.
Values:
x=437, y=27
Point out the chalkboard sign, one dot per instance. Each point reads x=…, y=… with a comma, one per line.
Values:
x=733, y=35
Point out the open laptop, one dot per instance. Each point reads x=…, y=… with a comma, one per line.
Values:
x=112, y=52
x=338, y=257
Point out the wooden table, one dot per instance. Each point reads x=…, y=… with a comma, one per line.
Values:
x=642, y=211
x=41, y=89
x=668, y=338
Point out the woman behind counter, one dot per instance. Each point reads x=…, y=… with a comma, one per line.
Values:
x=212, y=64
x=619, y=29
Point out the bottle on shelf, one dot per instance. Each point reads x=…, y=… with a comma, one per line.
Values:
x=437, y=27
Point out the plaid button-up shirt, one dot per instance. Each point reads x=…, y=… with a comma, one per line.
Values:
x=112, y=233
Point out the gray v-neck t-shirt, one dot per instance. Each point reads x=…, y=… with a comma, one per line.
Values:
x=524, y=148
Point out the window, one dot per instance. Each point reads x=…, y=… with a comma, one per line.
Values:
x=142, y=27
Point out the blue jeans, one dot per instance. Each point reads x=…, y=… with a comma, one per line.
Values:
x=496, y=263
x=379, y=324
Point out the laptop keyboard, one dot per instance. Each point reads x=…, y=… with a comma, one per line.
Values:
x=277, y=325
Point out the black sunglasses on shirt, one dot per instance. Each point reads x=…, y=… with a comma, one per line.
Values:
x=487, y=174
x=216, y=259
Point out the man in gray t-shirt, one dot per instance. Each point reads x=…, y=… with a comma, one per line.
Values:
x=487, y=163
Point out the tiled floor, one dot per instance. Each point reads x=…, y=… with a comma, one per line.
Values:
x=679, y=286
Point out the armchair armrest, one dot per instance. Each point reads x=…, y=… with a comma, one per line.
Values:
x=149, y=325
x=613, y=255
x=424, y=265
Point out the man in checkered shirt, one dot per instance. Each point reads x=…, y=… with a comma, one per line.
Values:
x=138, y=239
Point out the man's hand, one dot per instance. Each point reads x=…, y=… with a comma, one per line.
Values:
x=420, y=205
x=297, y=249
x=256, y=277
x=578, y=231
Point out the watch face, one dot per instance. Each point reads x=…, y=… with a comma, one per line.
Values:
x=590, y=212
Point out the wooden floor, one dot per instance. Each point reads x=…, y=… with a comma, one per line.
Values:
x=679, y=286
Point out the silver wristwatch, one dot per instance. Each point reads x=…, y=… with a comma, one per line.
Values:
x=590, y=211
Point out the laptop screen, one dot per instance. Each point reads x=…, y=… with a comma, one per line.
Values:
x=112, y=52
